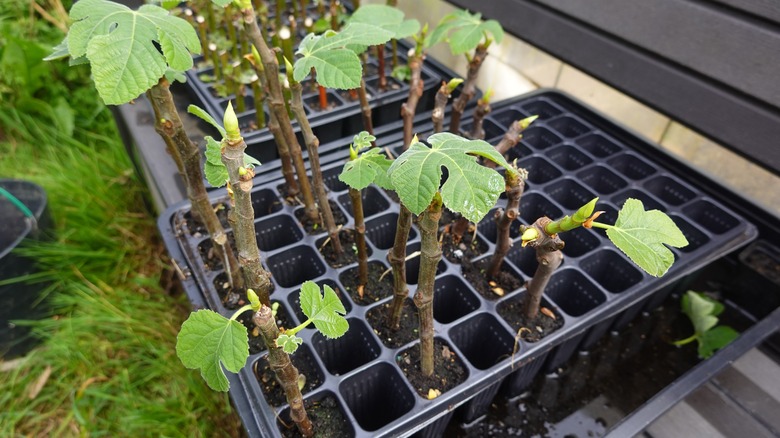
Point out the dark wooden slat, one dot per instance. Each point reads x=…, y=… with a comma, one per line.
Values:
x=725, y=415
x=767, y=9
x=751, y=397
x=726, y=116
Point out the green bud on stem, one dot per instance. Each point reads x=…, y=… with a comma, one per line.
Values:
x=231, y=123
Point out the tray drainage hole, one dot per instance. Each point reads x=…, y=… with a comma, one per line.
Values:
x=487, y=226
x=573, y=292
x=570, y=194
x=373, y=202
x=303, y=360
x=453, y=299
x=631, y=166
x=647, y=200
x=295, y=299
x=541, y=108
x=598, y=145
x=413, y=264
x=295, y=265
x=377, y=396
x=276, y=232
x=569, y=157
x=602, y=180
x=539, y=170
x=609, y=269
x=534, y=205
x=579, y=241
x=342, y=355
x=711, y=217
x=696, y=238
x=483, y=340
x=538, y=138
x=322, y=407
x=669, y=190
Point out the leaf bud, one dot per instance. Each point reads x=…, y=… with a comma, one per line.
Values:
x=231, y=123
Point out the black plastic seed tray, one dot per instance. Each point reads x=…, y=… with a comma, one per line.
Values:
x=572, y=155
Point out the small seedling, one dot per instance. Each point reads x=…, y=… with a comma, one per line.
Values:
x=703, y=312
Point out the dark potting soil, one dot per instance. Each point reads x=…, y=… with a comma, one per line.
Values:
x=285, y=194
x=348, y=256
x=492, y=289
x=270, y=386
x=232, y=300
x=209, y=255
x=327, y=418
x=256, y=342
x=468, y=248
x=407, y=330
x=375, y=289
x=196, y=227
x=311, y=228
x=537, y=328
x=448, y=372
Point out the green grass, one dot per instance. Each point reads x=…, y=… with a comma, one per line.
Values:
x=108, y=346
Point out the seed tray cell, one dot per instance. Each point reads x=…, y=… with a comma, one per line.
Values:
x=596, y=289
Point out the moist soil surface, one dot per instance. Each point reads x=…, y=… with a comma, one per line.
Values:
x=196, y=227
x=312, y=228
x=468, y=248
x=407, y=330
x=232, y=300
x=348, y=256
x=535, y=329
x=327, y=418
x=375, y=289
x=272, y=390
x=447, y=370
x=492, y=289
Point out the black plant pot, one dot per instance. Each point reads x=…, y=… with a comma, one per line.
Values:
x=18, y=299
x=573, y=155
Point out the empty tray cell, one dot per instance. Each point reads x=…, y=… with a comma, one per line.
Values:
x=573, y=292
x=377, y=396
x=518, y=151
x=332, y=181
x=611, y=270
x=491, y=129
x=533, y=206
x=568, y=157
x=341, y=355
x=295, y=265
x=669, y=190
x=647, y=200
x=631, y=166
x=524, y=259
x=453, y=299
x=579, y=241
x=570, y=194
x=598, y=145
x=373, y=202
x=483, y=340
x=277, y=231
x=488, y=228
x=695, y=237
x=381, y=230
x=568, y=126
x=539, y=170
x=710, y=216
x=537, y=137
x=506, y=117
x=602, y=180
x=265, y=202
x=303, y=360
x=545, y=110
x=413, y=264
x=295, y=299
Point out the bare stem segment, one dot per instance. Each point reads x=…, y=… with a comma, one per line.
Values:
x=504, y=218
x=442, y=97
x=397, y=259
x=187, y=157
x=365, y=108
x=423, y=298
x=360, y=235
x=548, y=254
x=469, y=87
x=285, y=371
x=483, y=109
x=409, y=108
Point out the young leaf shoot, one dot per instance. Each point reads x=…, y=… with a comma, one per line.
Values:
x=703, y=312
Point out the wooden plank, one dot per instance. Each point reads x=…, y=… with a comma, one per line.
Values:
x=725, y=415
x=764, y=9
x=745, y=392
x=682, y=421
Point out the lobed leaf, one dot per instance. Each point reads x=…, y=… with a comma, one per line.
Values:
x=119, y=44
x=641, y=235
x=715, y=339
x=206, y=117
x=208, y=341
x=288, y=343
x=386, y=18
x=464, y=31
x=369, y=168
x=470, y=189
x=326, y=312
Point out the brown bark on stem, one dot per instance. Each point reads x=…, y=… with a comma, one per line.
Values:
x=277, y=106
x=312, y=146
x=469, y=88
x=548, y=254
x=442, y=97
x=285, y=371
x=257, y=278
x=423, y=298
x=458, y=229
x=409, y=108
x=360, y=235
x=483, y=109
x=397, y=259
x=514, y=190
x=510, y=139
x=188, y=160
x=365, y=109
x=380, y=56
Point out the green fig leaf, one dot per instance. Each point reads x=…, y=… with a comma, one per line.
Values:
x=288, y=343
x=464, y=31
x=369, y=168
x=325, y=311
